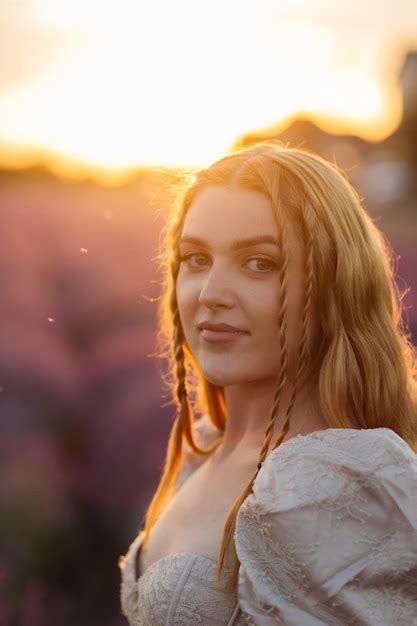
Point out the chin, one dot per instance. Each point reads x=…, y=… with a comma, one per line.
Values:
x=218, y=381
x=222, y=369
x=221, y=378
x=226, y=376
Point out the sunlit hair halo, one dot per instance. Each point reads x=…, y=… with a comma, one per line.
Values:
x=365, y=361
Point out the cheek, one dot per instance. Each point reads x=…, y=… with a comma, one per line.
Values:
x=263, y=310
x=266, y=299
x=266, y=314
x=186, y=301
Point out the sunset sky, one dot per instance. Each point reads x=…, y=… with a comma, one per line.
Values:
x=175, y=82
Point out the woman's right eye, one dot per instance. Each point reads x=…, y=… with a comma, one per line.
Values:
x=196, y=255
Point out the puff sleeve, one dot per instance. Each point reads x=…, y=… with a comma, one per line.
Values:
x=329, y=534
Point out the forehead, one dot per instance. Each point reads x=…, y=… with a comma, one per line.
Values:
x=223, y=213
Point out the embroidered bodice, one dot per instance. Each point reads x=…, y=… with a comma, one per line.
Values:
x=176, y=590
x=328, y=537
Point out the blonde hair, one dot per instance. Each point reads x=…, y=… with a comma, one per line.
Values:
x=366, y=363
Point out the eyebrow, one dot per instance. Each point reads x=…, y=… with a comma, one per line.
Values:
x=238, y=244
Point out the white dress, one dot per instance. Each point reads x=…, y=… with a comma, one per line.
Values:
x=327, y=538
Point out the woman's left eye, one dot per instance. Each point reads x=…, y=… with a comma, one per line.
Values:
x=187, y=258
x=261, y=264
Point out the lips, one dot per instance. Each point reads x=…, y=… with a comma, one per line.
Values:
x=226, y=328
x=220, y=333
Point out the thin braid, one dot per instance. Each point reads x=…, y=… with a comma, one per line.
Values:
x=302, y=351
x=184, y=418
x=282, y=324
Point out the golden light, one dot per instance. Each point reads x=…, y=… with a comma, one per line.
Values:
x=176, y=83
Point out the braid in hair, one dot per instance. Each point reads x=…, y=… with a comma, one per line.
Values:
x=184, y=417
x=302, y=351
x=282, y=325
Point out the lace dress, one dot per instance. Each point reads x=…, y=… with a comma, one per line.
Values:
x=328, y=537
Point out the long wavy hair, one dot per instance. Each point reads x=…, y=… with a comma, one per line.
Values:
x=366, y=362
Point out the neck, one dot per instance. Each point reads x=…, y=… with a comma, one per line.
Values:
x=249, y=408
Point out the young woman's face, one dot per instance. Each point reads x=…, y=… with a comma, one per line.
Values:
x=227, y=277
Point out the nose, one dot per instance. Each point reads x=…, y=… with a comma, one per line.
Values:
x=216, y=290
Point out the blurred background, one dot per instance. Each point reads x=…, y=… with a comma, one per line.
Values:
x=100, y=105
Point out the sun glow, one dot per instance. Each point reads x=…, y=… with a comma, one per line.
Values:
x=177, y=82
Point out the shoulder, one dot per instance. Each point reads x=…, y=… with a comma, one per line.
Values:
x=205, y=434
x=324, y=463
x=338, y=470
x=332, y=518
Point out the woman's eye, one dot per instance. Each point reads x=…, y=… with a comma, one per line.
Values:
x=198, y=260
x=259, y=264
x=197, y=256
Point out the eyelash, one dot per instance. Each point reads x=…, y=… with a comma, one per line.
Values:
x=273, y=266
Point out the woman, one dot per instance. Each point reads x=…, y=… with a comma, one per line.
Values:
x=296, y=490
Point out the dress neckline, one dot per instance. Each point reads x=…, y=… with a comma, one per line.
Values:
x=137, y=553
x=312, y=435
